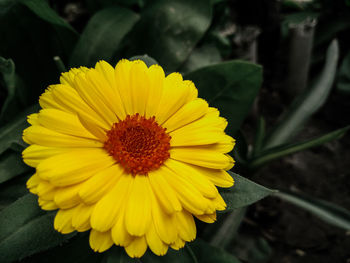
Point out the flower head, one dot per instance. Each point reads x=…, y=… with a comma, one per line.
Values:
x=130, y=154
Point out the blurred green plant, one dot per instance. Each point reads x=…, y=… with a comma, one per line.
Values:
x=182, y=35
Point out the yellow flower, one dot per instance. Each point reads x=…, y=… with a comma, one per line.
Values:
x=129, y=154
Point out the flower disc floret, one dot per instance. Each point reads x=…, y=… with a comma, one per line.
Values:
x=138, y=144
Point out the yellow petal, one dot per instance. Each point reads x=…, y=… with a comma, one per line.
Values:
x=63, y=122
x=186, y=226
x=201, y=157
x=72, y=102
x=224, y=144
x=219, y=203
x=190, y=198
x=137, y=247
x=155, y=243
x=190, y=112
x=220, y=178
x=92, y=93
x=73, y=167
x=34, y=154
x=156, y=77
x=100, y=241
x=164, y=193
x=198, y=180
x=106, y=211
x=174, y=96
x=115, y=102
x=45, y=190
x=33, y=182
x=164, y=223
x=67, y=78
x=210, y=122
x=100, y=184
x=47, y=204
x=178, y=244
x=67, y=197
x=63, y=221
x=33, y=119
x=46, y=137
x=138, y=207
x=81, y=217
x=208, y=218
x=139, y=86
x=47, y=101
x=92, y=128
x=106, y=93
x=122, y=79
x=120, y=236
x=197, y=138
x=193, y=92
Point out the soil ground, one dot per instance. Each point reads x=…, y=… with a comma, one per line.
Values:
x=295, y=235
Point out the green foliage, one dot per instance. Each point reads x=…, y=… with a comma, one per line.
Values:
x=207, y=253
x=230, y=86
x=145, y=58
x=11, y=166
x=326, y=211
x=11, y=133
x=32, y=232
x=343, y=83
x=13, y=189
x=243, y=193
x=16, y=91
x=182, y=35
x=197, y=251
x=307, y=103
x=286, y=149
x=168, y=31
x=117, y=254
x=102, y=36
x=77, y=250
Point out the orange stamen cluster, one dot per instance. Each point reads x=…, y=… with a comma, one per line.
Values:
x=138, y=144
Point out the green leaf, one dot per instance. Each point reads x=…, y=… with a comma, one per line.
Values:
x=118, y=255
x=251, y=248
x=330, y=28
x=77, y=250
x=67, y=35
x=13, y=189
x=243, y=193
x=259, y=136
x=6, y=5
x=208, y=254
x=343, y=83
x=45, y=12
x=227, y=232
x=11, y=165
x=15, y=90
x=307, y=103
x=11, y=133
x=102, y=36
x=149, y=61
x=231, y=87
x=169, y=30
x=32, y=49
x=328, y=212
x=25, y=229
x=280, y=151
x=240, y=151
x=200, y=57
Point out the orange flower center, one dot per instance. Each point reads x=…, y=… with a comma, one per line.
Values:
x=138, y=144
